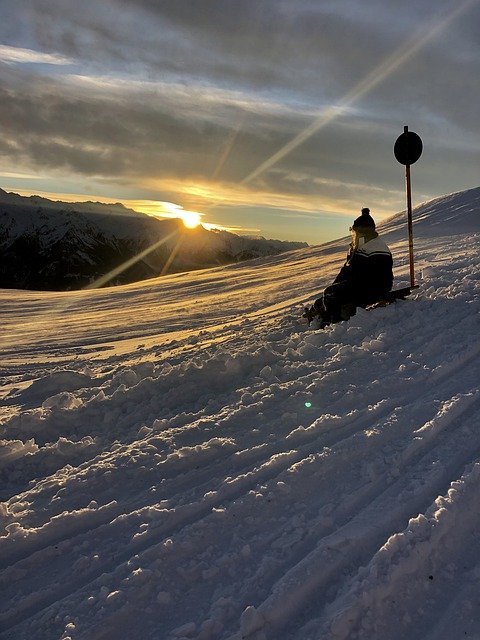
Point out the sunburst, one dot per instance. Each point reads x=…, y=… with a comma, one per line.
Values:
x=190, y=219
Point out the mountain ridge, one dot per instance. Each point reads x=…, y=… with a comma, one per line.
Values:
x=53, y=245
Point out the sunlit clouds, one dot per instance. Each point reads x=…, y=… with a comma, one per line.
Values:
x=300, y=195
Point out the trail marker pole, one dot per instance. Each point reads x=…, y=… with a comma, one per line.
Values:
x=407, y=150
x=410, y=224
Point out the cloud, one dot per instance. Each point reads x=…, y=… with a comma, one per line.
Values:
x=19, y=55
x=97, y=127
x=300, y=195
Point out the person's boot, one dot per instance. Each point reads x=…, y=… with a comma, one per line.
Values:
x=310, y=313
x=318, y=312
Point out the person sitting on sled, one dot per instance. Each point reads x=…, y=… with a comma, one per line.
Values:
x=365, y=278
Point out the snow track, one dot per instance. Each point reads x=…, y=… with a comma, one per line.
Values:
x=248, y=479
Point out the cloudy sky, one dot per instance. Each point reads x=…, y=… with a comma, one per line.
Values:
x=274, y=117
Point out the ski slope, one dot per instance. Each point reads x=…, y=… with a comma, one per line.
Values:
x=184, y=458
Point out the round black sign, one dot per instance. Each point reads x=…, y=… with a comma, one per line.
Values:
x=408, y=148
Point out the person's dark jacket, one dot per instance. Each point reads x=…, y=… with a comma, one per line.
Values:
x=369, y=271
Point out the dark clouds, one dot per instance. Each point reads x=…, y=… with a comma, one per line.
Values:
x=270, y=45
x=313, y=49
x=145, y=132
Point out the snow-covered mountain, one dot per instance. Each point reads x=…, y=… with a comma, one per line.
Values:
x=184, y=458
x=48, y=245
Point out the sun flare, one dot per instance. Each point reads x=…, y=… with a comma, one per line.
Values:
x=159, y=209
x=190, y=219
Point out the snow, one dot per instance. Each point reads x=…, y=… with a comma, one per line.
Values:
x=186, y=458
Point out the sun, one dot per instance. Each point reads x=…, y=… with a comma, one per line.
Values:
x=162, y=210
x=190, y=219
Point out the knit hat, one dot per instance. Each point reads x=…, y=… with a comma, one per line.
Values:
x=365, y=221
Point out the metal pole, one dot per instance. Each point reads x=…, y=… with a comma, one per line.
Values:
x=410, y=222
x=410, y=225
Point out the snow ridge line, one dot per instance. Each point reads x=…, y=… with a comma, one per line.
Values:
x=311, y=440
x=310, y=444
x=453, y=367
x=440, y=374
x=398, y=559
x=179, y=517
x=314, y=571
x=31, y=608
x=368, y=493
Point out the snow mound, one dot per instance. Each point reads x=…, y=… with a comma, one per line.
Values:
x=65, y=380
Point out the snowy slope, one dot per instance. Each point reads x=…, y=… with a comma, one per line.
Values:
x=184, y=458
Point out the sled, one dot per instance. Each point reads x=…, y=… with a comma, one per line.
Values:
x=348, y=310
x=392, y=296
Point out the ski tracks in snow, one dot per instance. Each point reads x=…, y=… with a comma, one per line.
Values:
x=279, y=483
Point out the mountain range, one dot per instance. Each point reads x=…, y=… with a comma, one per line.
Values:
x=54, y=245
